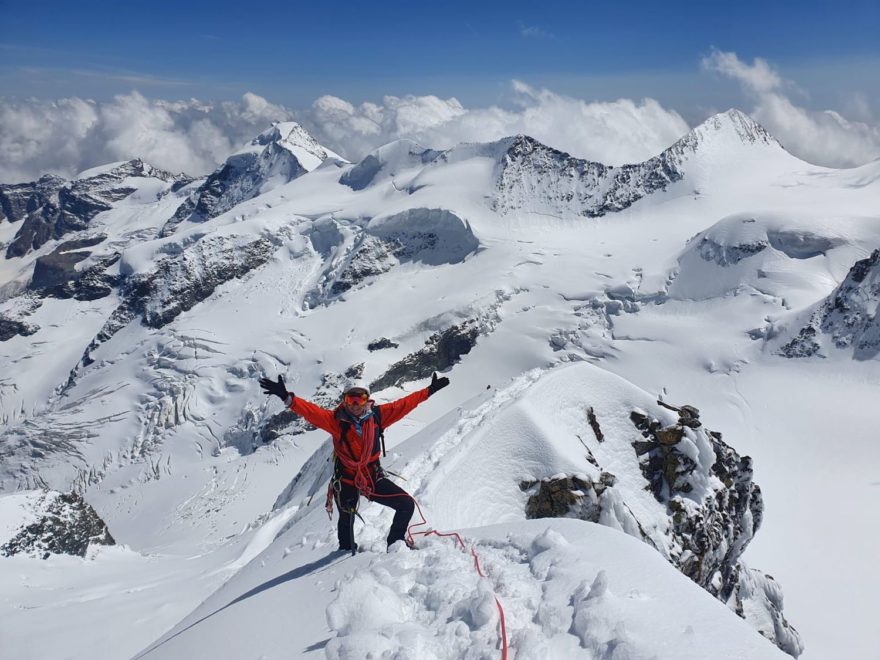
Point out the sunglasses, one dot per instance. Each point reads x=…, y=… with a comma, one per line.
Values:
x=356, y=398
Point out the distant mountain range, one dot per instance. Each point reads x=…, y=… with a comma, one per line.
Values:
x=138, y=308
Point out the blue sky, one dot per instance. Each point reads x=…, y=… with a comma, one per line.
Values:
x=183, y=84
x=292, y=52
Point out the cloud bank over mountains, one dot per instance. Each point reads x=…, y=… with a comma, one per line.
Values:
x=823, y=138
x=69, y=135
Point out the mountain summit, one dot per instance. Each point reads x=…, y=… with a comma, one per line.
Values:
x=276, y=156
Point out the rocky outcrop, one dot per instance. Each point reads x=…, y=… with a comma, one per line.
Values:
x=51, y=207
x=848, y=319
x=441, y=351
x=370, y=257
x=566, y=497
x=381, y=344
x=10, y=328
x=713, y=509
x=63, y=524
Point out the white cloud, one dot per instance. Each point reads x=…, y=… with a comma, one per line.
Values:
x=758, y=77
x=613, y=133
x=534, y=31
x=70, y=135
x=824, y=138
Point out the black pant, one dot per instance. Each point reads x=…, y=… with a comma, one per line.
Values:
x=386, y=493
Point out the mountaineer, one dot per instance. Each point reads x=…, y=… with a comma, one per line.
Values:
x=357, y=427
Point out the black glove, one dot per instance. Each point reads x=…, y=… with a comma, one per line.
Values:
x=278, y=389
x=437, y=383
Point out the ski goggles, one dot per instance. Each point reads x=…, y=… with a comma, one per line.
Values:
x=359, y=397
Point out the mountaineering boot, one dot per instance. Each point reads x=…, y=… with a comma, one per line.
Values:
x=409, y=544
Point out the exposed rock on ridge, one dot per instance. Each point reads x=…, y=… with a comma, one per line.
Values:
x=52, y=207
x=66, y=524
x=848, y=318
x=713, y=506
x=540, y=179
x=441, y=351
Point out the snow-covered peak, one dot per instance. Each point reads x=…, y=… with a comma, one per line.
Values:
x=747, y=129
x=52, y=207
x=731, y=131
x=116, y=172
x=294, y=138
x=275, y=157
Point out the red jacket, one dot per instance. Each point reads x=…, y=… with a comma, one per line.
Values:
x=358, y=448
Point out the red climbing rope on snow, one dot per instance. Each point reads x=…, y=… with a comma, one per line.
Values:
x=457, y=537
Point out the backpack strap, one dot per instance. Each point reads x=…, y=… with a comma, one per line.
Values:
x=377, y=415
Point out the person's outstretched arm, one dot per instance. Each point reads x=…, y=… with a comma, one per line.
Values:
x=396, y=410
x=313, y=414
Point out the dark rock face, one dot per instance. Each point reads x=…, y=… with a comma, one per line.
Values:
x=72, y=212
x=712, y=506
x=441, y=351
x=181, y=283
x=9, y=328
x=238, y=180
x=52, y=208
x=569, y=184
x=370, y=257
x=245, y=175
x=18, y=200
x=69, y=526
x=56, y=276
x=380, y=344
x=848, y=318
